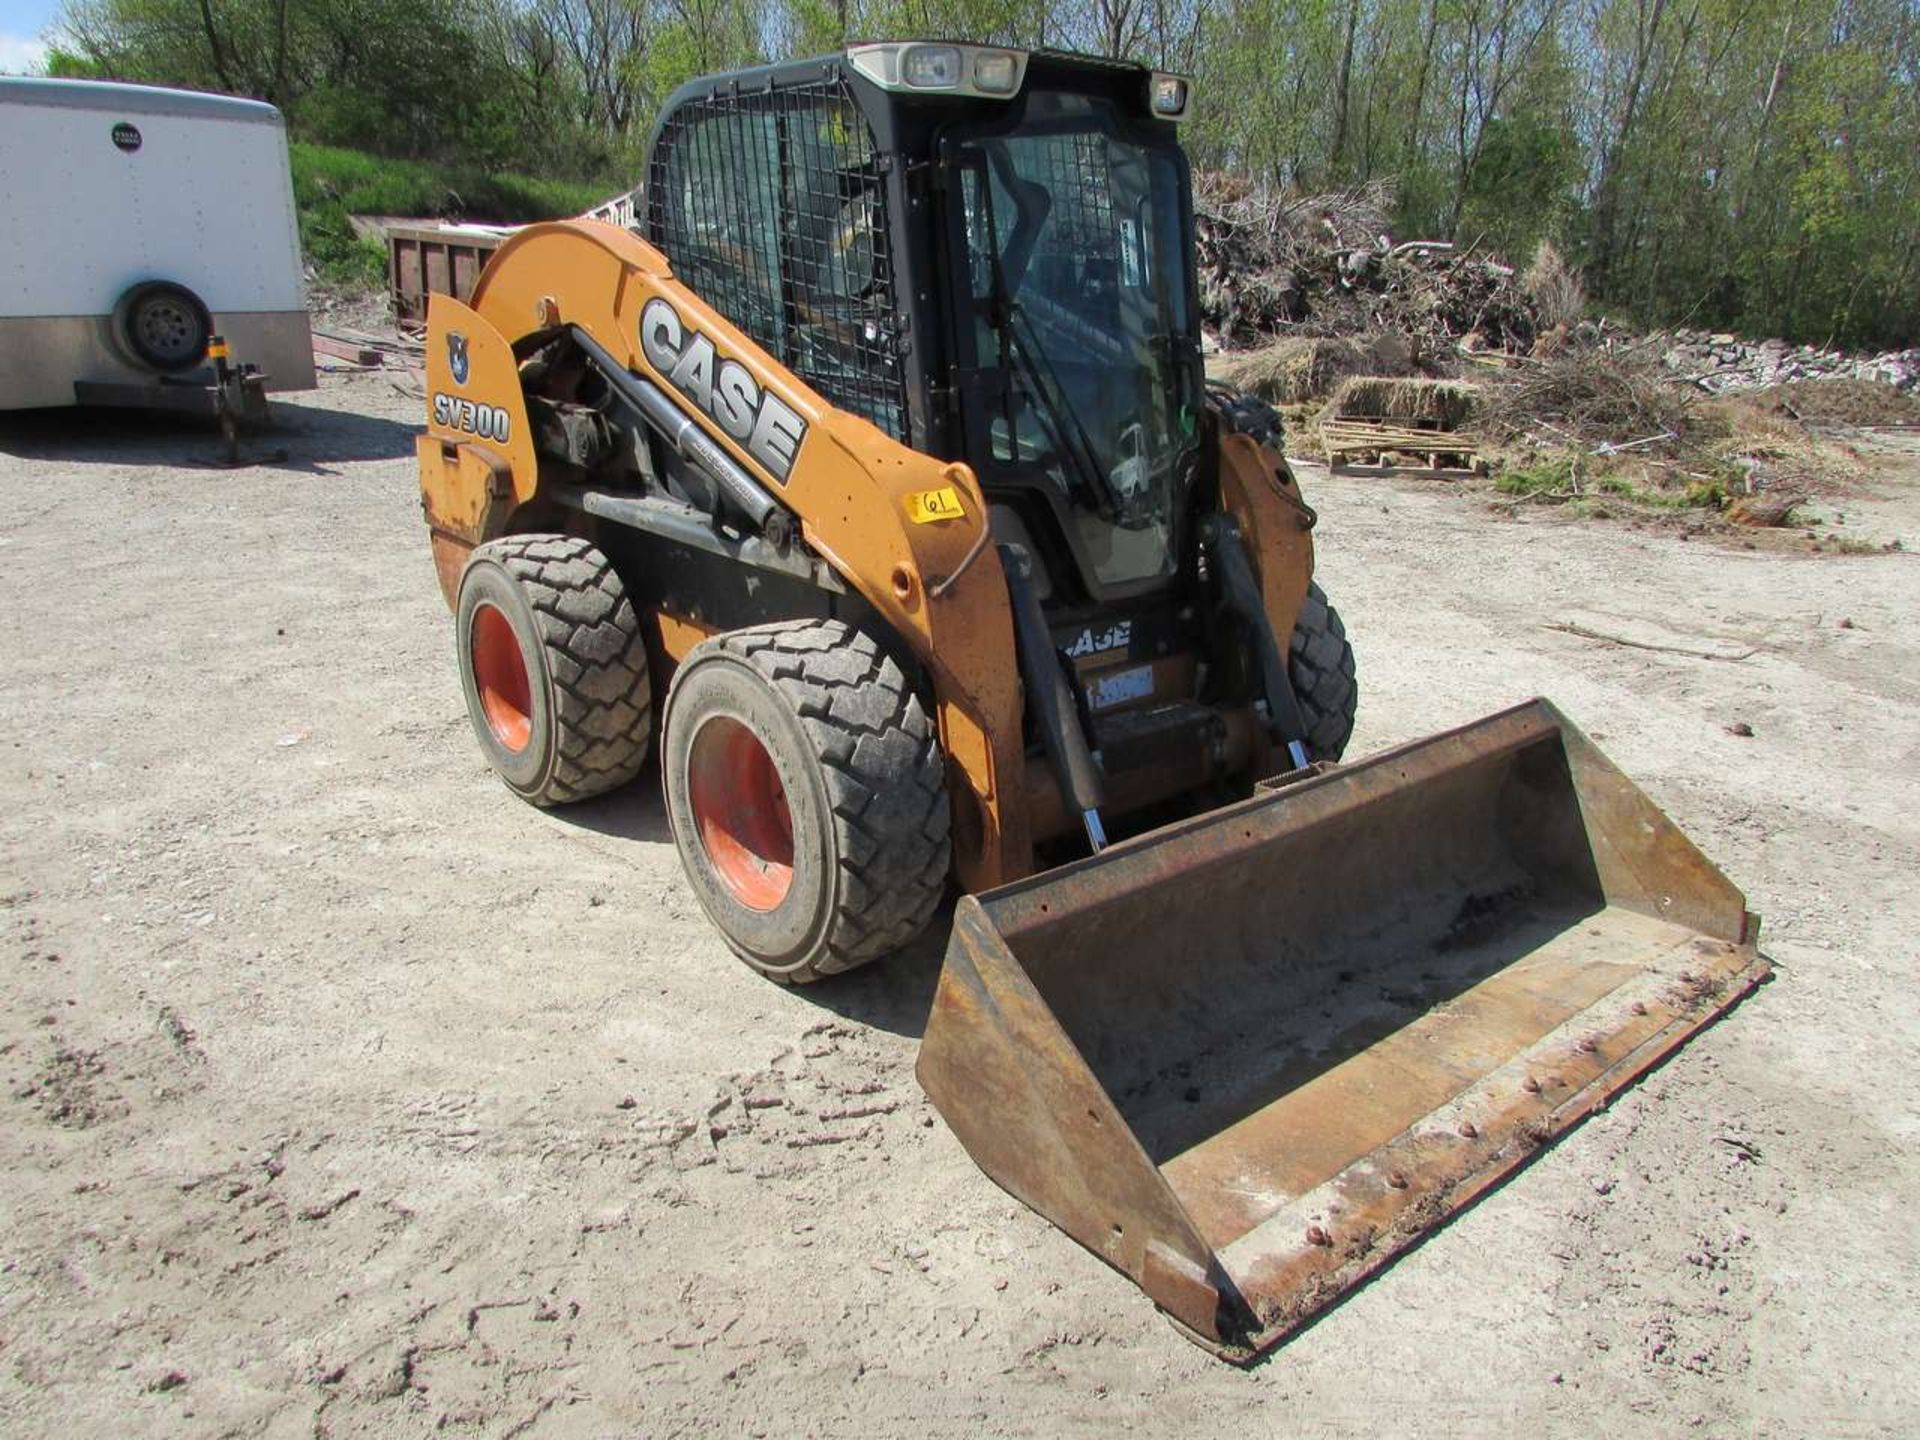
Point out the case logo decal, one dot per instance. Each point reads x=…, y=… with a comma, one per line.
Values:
x=723, y=388
x=1097, y=642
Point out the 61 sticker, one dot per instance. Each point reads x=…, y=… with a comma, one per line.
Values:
x=489, y=422
x=928, y=507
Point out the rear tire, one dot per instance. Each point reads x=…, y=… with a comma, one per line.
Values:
x=1243, y=413
x=554, y=667
x=1320, y=664
x=807, y=795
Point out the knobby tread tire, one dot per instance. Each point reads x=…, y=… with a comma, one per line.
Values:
x=885, y=778
x=1320, y=662
x=596, y=655
x=1243, y=413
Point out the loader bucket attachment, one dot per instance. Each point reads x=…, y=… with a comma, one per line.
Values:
x=1247, y=1058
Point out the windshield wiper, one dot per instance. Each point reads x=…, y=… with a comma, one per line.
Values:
x=1069, y=434
x=1019, y=348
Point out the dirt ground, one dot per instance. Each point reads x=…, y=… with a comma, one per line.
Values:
x=347, y=1095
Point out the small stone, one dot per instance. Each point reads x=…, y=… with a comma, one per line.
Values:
x=625, y=1102
x=1740, y=728
x=1845, y=623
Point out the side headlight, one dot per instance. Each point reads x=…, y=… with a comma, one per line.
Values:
x=1170, y=95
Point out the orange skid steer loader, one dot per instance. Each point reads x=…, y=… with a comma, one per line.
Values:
x=873, y=482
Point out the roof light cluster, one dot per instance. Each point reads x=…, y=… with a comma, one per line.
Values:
x=923, y=67
x=946, y=69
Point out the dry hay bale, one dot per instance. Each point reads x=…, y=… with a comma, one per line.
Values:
x=1291, y=370
x=1776, y=450
x=1447, y=403
x=1755, y=427
x=1840, y=401
x=1391, y=353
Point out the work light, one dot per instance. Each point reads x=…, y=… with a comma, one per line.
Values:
x=1170, y=97
x=995, y=71
x=931, y=67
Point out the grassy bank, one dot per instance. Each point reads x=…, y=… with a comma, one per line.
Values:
x=331, y=184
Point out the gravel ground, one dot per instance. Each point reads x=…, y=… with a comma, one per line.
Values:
x=348, y=1096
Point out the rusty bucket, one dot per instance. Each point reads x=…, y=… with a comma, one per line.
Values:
x=1247, y=1058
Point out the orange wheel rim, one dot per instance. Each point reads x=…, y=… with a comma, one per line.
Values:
x=500, y=675
x=740, y=810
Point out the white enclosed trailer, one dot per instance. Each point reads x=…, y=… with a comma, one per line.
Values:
x=135, y=224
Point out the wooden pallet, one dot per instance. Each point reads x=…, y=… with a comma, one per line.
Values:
x=1346, y=436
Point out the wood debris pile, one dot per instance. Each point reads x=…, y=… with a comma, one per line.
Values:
x=1326, y=265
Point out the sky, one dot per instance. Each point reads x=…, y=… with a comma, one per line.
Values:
x=21, y=22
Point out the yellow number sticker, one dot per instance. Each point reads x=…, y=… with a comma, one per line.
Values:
x=929, y=507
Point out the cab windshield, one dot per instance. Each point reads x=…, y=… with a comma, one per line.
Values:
x=1077, y=273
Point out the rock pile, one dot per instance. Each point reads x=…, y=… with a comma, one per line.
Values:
x=1724, y=362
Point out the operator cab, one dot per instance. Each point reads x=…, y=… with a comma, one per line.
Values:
x=985, y=252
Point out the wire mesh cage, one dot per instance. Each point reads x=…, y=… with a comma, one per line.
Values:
x=770, y=205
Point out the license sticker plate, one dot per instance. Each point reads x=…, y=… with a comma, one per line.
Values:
x=1119, y=686
x=929, y=507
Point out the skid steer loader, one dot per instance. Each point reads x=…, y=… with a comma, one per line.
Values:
x=873, y=481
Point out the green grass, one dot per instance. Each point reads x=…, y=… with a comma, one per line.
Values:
x=1573, y=480
x=330, y=184
x=1551, y=476
x=374, y=185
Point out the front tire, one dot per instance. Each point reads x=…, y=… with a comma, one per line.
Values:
x=807, y=795
x=1320, y=664
x=554, y=667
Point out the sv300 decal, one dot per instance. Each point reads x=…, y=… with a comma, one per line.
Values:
x=488, y=422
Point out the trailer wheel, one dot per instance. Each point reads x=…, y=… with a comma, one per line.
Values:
x=1320, y=663
x=163, y=326
x=554, y=667
x=807, y=796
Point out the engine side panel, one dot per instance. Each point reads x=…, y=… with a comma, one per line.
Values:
x=906, y=532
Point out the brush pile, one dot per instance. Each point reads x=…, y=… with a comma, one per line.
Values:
x=1602, y=399
x=1325, y=265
